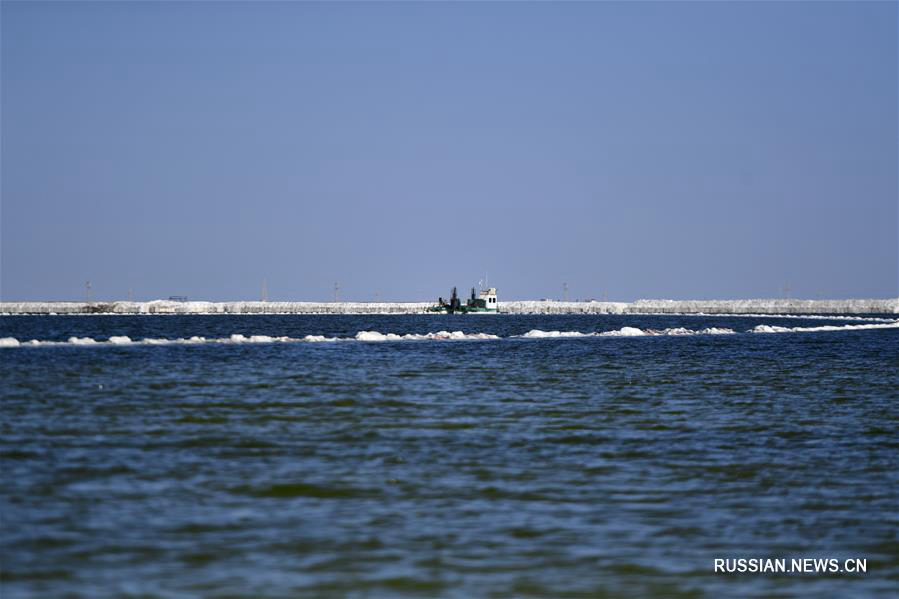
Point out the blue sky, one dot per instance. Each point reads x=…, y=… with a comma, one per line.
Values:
x=660, y=150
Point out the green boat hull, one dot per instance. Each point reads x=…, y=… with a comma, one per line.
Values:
x=462, y=310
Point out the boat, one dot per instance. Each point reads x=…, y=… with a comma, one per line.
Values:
x=484, y=303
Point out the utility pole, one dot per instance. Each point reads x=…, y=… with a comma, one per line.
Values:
x=264, y=290
x=336, y=292
x=565, y=291
x=87, y=292
x=130, y=294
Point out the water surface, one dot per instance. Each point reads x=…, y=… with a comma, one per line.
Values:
x=594, y=466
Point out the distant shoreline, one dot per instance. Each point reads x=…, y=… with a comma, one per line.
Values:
x=745, y=307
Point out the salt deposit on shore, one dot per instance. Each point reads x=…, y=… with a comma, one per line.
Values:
x=745, y=307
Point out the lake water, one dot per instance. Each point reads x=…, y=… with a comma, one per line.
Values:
x=512, y=466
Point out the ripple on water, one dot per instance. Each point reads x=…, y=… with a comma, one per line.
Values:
x=299, y=489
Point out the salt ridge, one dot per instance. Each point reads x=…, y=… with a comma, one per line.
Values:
x=376, y=336
x=628, y=332
x=765, y=328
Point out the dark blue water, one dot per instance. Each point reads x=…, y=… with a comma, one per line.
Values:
x=595, y=466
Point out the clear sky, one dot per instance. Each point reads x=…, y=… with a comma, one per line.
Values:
x=658, y=150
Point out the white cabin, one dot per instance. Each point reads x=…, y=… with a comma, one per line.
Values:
x=489, y=297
